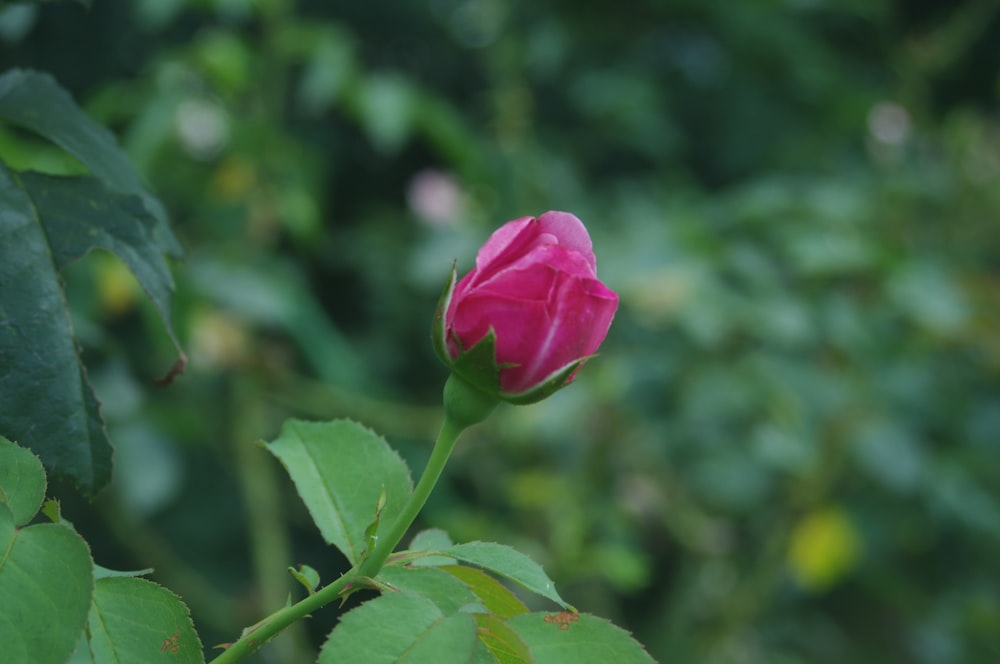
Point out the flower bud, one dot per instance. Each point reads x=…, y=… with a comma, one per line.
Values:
x=531, y=312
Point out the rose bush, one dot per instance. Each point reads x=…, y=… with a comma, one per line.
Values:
x=530, y=313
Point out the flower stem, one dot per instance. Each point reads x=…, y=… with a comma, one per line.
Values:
x=268, y=628
x=464, y=405
x=388, y=540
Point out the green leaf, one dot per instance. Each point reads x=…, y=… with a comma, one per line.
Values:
x=339, y=469
x=400, y=628
x=556, y=638
x=509, y=564
x=431, y=539
x=502, y=641
x=42, y=372
x=495, y=597
x=80, y=214
x=481, y=655
x=447, y=592
x=35, y=101
x=81, y=655
x=105, y=573
x=22, y=481
x=135, y=620
x=307, y=576
x=46, y=582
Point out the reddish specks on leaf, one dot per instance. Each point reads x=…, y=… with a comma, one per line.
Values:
x=564, y=619
x=172, y=644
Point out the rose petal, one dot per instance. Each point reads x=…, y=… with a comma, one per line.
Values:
x=571, y=232
x=579, y=316
x=515, y=322
x=539, y=263
x=535, y=285
x=505, y=244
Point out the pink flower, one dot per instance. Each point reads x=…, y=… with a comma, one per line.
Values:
x=535, y=288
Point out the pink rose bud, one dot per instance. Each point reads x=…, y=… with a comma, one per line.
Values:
x=521, y=323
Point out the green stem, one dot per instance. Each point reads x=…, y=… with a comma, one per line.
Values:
x=464, y=405
x=370, y=567
x=388, y=540
x=279, y=620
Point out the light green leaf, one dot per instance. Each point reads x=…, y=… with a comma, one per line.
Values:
x=46, y=582
x=339, y=469
x=494, y=596
x=481, y=655
x=81, y=655
x=135, y=620
x=509, y=564
x=22, y=481
x=307, y=576
x=35, y=101
x=446, y=591
x=556, y=638
x=502, y=641
x=432, y=539
x=42, y=370
x=105, y=573
x=400, y=628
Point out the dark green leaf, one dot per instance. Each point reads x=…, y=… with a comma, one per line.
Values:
x=35, y=101
x=80, y=214
x=49, y=406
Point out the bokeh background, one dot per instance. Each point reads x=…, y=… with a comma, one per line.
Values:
x=787, y=451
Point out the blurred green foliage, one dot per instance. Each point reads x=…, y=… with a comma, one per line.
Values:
x=787, y=450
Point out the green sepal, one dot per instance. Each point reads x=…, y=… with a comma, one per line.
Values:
x=438, y=328
x=555, y=382
x=477, y=366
